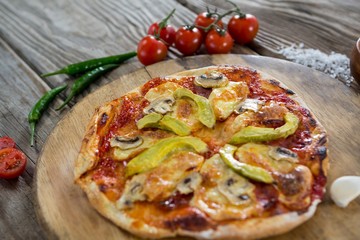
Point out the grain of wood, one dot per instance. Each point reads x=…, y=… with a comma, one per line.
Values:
x=18, y=87
x=40, y=36
x=56, y=162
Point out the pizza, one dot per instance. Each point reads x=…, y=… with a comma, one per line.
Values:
x=221, y=152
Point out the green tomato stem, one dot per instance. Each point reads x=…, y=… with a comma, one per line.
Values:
x=163, y=23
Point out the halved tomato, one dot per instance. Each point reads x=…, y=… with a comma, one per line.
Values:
x=12, y=163
x=7, y=142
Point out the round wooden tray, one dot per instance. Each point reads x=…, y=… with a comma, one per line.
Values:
x=63, y=209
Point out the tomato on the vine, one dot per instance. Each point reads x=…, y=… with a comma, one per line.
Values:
x=218, y=41
x=188, y=40
x=151, y=50
x=204, y=20
x=167, y=34
x=243, y=28
x=12, y=163
x=7, y=142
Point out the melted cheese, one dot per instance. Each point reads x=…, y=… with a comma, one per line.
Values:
x=185, y=110
x=224, y=100
x=161, y=182
x=293, y=181
x=161, y=91
x=224, y=194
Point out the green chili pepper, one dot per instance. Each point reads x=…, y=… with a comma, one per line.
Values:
x=85, y=80
x=88, y=65
x=40, y=107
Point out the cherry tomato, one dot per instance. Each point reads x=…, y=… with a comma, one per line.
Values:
x=151, y=50
x=204, y=20
x=12, y=163
x=167, y=33
x=218, y=42
x=188, y=40
x=6, y=142
x=243, y=30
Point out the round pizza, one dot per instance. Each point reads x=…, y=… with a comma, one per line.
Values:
x=221, y=152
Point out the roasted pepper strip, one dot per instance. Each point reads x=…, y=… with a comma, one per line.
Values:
x=150, y=120
x=249, y=171
x=205, y=112
x=259, y=134
x=172, y=124
x=153, y=156
x=156, y=120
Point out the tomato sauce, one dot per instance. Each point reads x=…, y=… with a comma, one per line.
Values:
x=109, y=175
x=151, y=84
x=319, y=186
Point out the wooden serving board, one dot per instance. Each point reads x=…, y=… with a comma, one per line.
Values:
x=64, y=211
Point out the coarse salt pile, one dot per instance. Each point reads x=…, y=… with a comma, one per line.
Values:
x=336, y=65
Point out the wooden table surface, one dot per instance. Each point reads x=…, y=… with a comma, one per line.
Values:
x=40, y=36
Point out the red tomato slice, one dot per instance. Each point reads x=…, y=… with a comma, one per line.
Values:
x=6, y=142
x=12, y=163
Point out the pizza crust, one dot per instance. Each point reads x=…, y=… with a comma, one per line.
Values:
x=245, y=229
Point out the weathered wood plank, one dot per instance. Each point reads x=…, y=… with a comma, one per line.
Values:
x=52, y=34
x=19, y=86
x=49, y=35
x=324, y=25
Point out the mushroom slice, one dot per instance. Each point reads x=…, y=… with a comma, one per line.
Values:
x=235, y=189
x=124, y=142
x=133, y=192
x=190, y=183
x=211, y=80
x=249, y=104
x=160, y=105
x=281, y=153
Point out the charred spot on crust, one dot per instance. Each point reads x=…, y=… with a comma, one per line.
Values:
x=322, y=140
x=103, y=119
x=321, y=152
x=274, y=82
x=290, y=184
x=312, y=122
x=266, y=194
x=274, y=123
x=174, y=202
x=192, y=222
x=289, y=91
x=102, y=188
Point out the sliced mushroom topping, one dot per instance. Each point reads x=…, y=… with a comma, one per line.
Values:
x=236, y=189
x=124, y=142
x=133, y=192
x=249, y=104
x=160, y=105
x=189, y=183
x=211, y=80
x=280, y=153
